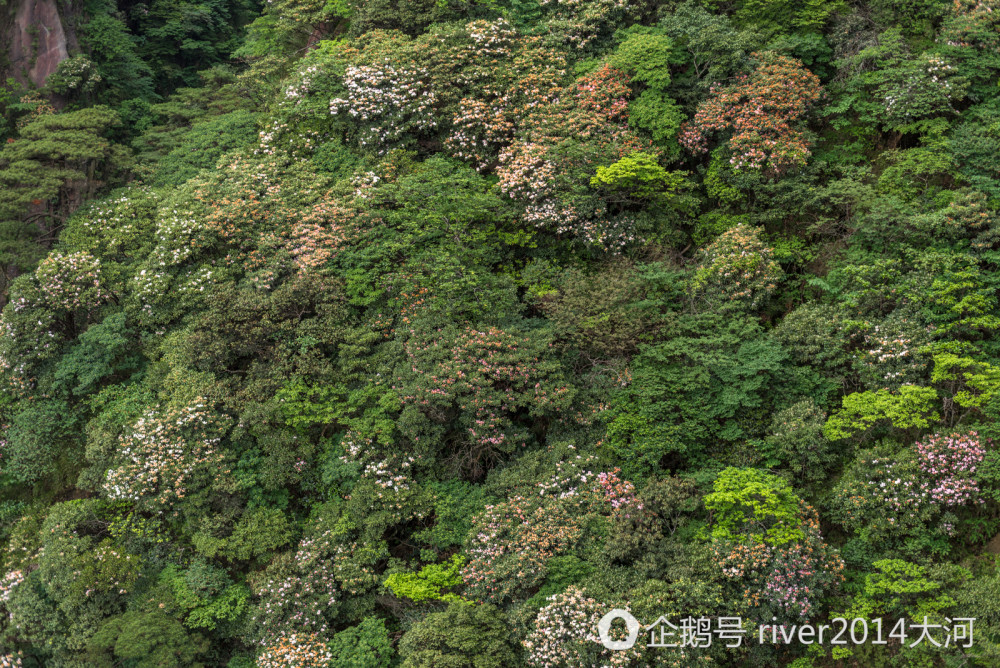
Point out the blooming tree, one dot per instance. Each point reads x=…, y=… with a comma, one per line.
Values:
x=888, y=86
x=909, y=499
x=737, y=269
x=579, y=22
x=302, y=594
x=949, y=464
x=512, y=541
x=163, y=452
x=9, y=582
x=511, y=544
x=70, y=281
x=783, y=580
x=388, y=101
x=47, y=308
x=303, y=650
x=317, y=235
x=557, y=148
x=565, y=634
x=477, y=380
x=763, y=113
x=975, y=24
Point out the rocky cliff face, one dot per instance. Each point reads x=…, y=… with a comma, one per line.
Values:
x=36, y=40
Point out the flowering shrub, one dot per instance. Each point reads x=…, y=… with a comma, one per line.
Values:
x=162, y=453
x=271, y=218
x=556, y=149
x=109, y=569
x=586, y=491
x=593, y=108
x=70, y=281
x=239, y=213
x=969, y=215
x=973, y=24
x=302, y=650
x=389, y=476
x=316, y=236
x=467, y=84
x=511, y=542
x=886, y=495
x=519, y=76
x=785, y=581
x=604, y=91
x=890, y=355
x=893, y=88
x=77, y=74
x=180, y=237
x=480, y=130
x=737, y=270
x=787, y=587
x=937, y=470
x=10, y=580
x=906, y=498
x=302, y=594
x=298, y=90
x=525, y=174
x=972, y=35
x=28, y=336
x=248, y=201
x=117, y=229
x=496, y=99
x=476, y=381
x=579, y=22
x=885, y=348
x=492, y=38
x=565, y=634
x=762, y=110
x=482, y=125
x=389, y=102
x=950, y=462
x=927, y=84
x=301, y=600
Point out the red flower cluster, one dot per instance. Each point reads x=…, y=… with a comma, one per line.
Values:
x=762, y=111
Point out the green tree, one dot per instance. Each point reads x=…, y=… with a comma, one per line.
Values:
x=57, y=162
x=366, y=645
x=706, y=385
x=638, y=178
x=463, y=636
x=747, y=503
x=912, y=407
x=647, y=55
x=797, y=441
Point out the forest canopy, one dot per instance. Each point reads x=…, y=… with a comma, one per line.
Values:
x=425, y=334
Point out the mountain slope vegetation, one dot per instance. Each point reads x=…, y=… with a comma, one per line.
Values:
x=426, y=333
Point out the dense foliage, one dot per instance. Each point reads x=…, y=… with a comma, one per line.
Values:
x=362, y=335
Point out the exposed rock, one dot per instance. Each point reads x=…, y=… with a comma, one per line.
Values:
x=37, y=41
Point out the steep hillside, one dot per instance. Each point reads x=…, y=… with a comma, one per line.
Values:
x=428, y=333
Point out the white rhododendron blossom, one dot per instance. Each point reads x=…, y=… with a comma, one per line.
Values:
x=162, y=452
x=70, y=280
x=387, y=102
